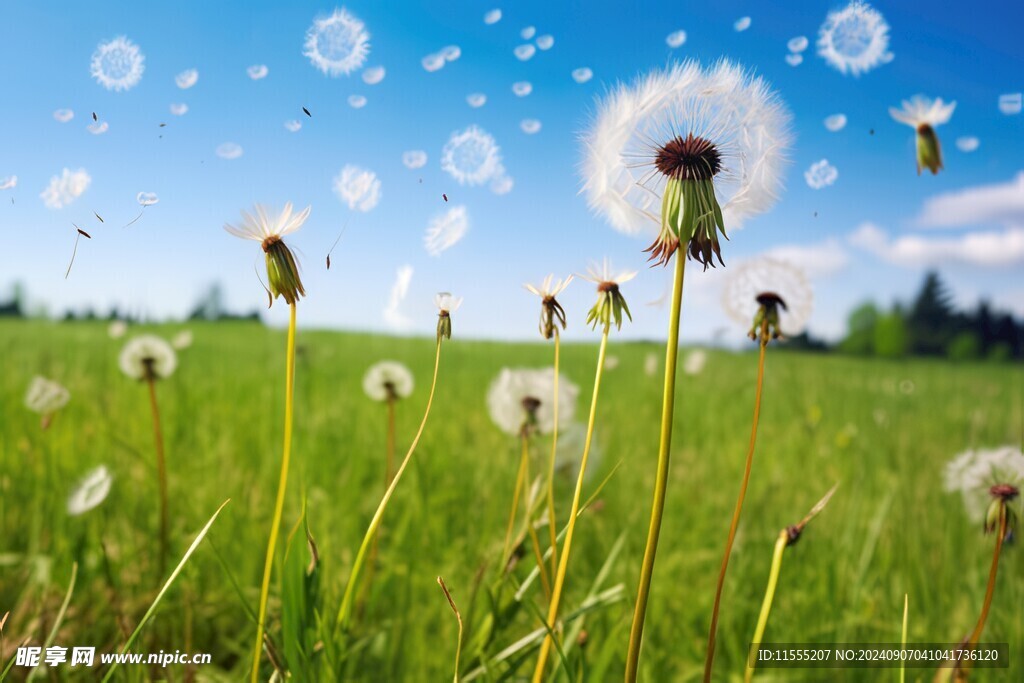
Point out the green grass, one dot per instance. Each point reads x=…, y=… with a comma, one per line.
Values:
x=889, y=530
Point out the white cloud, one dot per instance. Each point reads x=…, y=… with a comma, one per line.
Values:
x=65, y=188
x=995, y=248
x=392, y=315
x=358, y=188
x=1001, y=203
x=816, y=260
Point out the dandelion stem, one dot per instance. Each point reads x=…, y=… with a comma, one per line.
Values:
x=282, y=485
x=636, y=632
x=516, y=494
x=766, y=604
x=903, y=641
x=389, y=469
x=563, y=560
x=990, y=590
x=528, y=508
x=552, y=525
x=345, y=611
x=709, y=659
x=161, y=468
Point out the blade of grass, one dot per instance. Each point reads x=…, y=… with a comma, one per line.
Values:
x=903, y=642
x=60, y=617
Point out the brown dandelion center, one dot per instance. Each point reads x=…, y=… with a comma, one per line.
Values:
x=771, y=300
x=391, y=390
x=689, y=158
x=925, y=129
x=1005, y=492
x=269, y=242
x=530, y=405
x=608, y=287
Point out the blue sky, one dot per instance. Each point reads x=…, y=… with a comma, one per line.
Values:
x=970, y=53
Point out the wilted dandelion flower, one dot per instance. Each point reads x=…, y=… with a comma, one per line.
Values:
x=269, y=229
x=771, y=293
x=520, y=401
x=1011, y=103
x=854, y=39
x=694, y=362
x=414, y=158
x=835, y=123
x=676, y=39
x=148, y=357
x=446, y=305
x=388, y=380
x=91, y=491
x=471, y=156
x=530, y=126
x=182, y=340
x=257, y=71
x=117, y=329
x=821, y=174
x=179, y=109
x=63, y=115
x=923, y=115
x=582, y=74
x=972, y=473
x=610, y=303
x=46, y=397
x=186, y=79
x=552, y=315
x=337, y=44
x=117, y=65
x=373, y=75
x=229, y=151
x=687, y=151
x=476, y=100
x=446, y=230
x=358, y=188
x=968, y=143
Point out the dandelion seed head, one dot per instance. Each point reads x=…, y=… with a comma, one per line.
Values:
x=694, y=362
x=530, y=126
x=65, y=188
x=522, y=88
x=356, y=101
x=63, y=115
x=471, y=156
x=545, y=42
x=582, y=74
x=45, y=396
x=265, y=224
x=229, y=151
x=968, y=143
x=521, y=396
x=257, y=71
x=754, y=278
x=835, y=123
x=447, y=302
x=337, y=44
x=358, y=188
x=1010, y=104
x=182, y=340
x=676, y=39
x=117, y=329
x=118, y=65
x=388, y=380
x=90, y=492
x=527, y=32
x=973, y=472
x=373, y=75
x=855, y=39
x=524, y=52
x=414, y=158
x=445, y=230
x=821, y=174
x=651, y=364
x=186, y=79
x=742, y=24
x=148, y=357
x=492, y=16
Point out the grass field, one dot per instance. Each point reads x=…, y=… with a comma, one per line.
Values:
x=884, y=430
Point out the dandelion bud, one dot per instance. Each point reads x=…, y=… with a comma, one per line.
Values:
x=929, y=151
x=268, y=228
x=282, y=271
x=1002, y=496
x=446, y=304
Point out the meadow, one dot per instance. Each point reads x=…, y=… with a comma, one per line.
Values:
x=883, y=429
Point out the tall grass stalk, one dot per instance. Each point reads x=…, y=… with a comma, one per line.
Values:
x=552, y=523
x=636, y=632
x=345, y=611
x=282, y=485
x=709, y=659
x=458, y=618
x=903, y=638
x=161, y=468
x=389, y=473
x=563, y=561
x=517, y=493
x=531, y=530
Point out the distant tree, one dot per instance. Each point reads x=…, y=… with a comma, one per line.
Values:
x=890, y=336
x=964, y=346
x=210, y=306
x=860, y=330
x=931, y=321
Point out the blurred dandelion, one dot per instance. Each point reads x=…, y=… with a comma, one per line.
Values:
x=835, y=123
x=676, y=39
x=98, y=127
x=446, y=230
x=794, y=59
x=522, y=399
x=414, y=158
x=63, y=115
x=974, y=471
x=118, y=64
x=257, y=71
x=524, y=52
x=337, y=44
x=433, y=62
x=768, y=277
x=582, y=74
x=357, y=188
x=65, y=188
x=471, y=156
x=651, y=364
x=46, y=397
x=373, y=75
x=1010, y=104
x=797, y=44
x=357, y=101
x=695, y=361
x=528, y=32
x=492, y=16
x=229, y=151
x=821, y=174
x=967, y=143
x=522, y=88
x=530, y=126
x=451, y=52
x=742, y=24
x=179, y=109
x=854, y=39
x=182, y=340
x=117, y=329
x=923, y=115
x=90, y=492
x=476, y=100
x=186, y=79
x=545, y=42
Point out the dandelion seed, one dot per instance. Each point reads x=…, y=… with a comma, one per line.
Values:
x=521, y=400
x=471, y=156
x=797, y=44
x=229, y=151
x=306, y=112
x=147, y=198
x=358, y=188
x=446, y=230
x=118, y=64
x=1010, y=104
x=694, y=362
x=182, y=340
x=973, y=472
x=492, y=17
x=854, y=39
x=186, y=79
x=94, y=117
x=388, y=380
x=476, y=100
x=65, y=188
x=446, y=304
x=522, y=88
x=707, y=146
x=8, y=182
x=90, y=492
x=676, y=38
x=545, y=42
x=524, y=52
x=444, y=196
x=373, y=75
x=257, y=71
x=769, y=288
x=742, y=24
x=356, y=101
x=393, y=315
x=528, y=32
x=179, y=109
x=148, y=357
x=433, y=62
x=337, y=44
x=835, y=123
x=117, y=329
x=821, y=174
x=552, y=315
x=794, y=59
x=530, y=126
x=46, y=397
x=924, y=115
x=967, y=143
x=98, y=128
x=269, y=228
x=63, y=115
x=293, y=126
x=582, y=74
x=414, y=158
x=451, y=52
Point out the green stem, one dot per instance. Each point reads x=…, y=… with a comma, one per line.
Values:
x=516, y=495
x=161, y=468
x=345, y=611
x=766, y=605
x=531, y=531
x=636, y=632
x=563, y=562
x=282, y=485
x=991, y=588
x=552, y=526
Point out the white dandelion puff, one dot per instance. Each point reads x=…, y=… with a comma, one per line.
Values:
x=118, y=65
x=1010, y=104
x=98, y=127
x=45, y=396
x=356, y=101
x=90, y=492
x=676, y=38
x=742, y=24
x=182, y=340
x=433, y=62
x=502, y=183
x=797, y=44
x=854, y=39
x=528, y=32
x=476, y=100
x=522, y=88
x=186, y=79
x=471, y=156
x=545, y=42
x=414, y=158
x=972, y=472
x=524, y=398
x=358, y=188
x=694, y=362
x=968, y=143
x=8, y=182
x=821, y=174
x=794, y=59
x=373, y=75
x=582, y=74
x=765, y=275
x=63, y=115
x=738, y=114
x=393, y=314
x=835, y=123
x=293, y=126
x=530, y=126
x=446, y=302
x=117, y=329
x=446, y=230
x=492, y=17
x=388, y=380
x=257, y=71
x=524, y=52
x=229, y=150
x=179, y=109
x=65, y=188
x=337, y=44
x=148, y=356
x=147, y=198
x=451, y=52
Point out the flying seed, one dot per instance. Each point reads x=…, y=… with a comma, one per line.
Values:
x=329, y=251
x=94, y=117
x=98, y=216
x=307, y=112
x=445, y=196
x=83, y=232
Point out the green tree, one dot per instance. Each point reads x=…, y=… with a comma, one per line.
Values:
x=890, y=336
x=860, y=330
x=931, y=321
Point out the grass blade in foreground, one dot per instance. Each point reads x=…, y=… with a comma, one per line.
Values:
x=60, y=617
